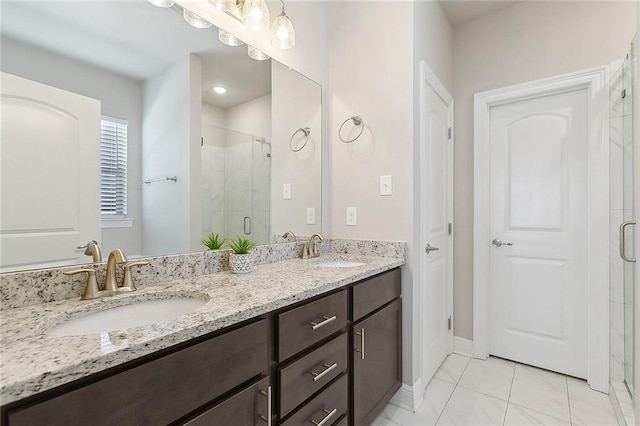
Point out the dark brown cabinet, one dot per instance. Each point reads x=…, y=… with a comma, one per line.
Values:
x=376, y=364
x=332, y=360
x=249, y=407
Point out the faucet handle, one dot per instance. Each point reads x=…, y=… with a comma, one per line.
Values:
x=127, y=281
x=91, y=290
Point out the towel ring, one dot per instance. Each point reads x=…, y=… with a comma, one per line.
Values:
x=306, y=132
x=357, y=121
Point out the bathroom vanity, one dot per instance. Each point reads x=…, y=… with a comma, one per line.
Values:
x=325, y=350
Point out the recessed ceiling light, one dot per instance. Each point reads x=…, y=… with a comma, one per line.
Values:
x=219, y=90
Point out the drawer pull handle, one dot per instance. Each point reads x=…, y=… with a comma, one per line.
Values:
x=326, y=418
x=267, y=394
x=326, y=320
x=329, y=368
x=361, y=350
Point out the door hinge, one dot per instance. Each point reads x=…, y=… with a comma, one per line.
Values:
x=449, y=323
x=201, y=141
x=450, y=228
x=624, y=93
x=449, y=131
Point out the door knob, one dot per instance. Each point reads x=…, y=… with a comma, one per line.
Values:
x=428, y=249
x=498, y=243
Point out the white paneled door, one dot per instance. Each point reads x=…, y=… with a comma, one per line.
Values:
x=539, y=231
x=50, y=174
x=436, y=211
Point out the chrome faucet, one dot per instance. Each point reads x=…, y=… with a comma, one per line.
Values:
x=115, y=257
x=288, y=235
x=310, y=249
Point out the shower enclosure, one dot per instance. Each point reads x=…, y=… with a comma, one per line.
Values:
x=236, y=184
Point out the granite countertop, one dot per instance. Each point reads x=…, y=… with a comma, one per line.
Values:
x=32, y=361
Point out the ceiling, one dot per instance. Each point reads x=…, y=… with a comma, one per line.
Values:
x=460, y=12
x=136, y=39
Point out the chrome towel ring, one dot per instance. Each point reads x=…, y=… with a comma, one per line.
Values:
x=357, y=121
x=306, y=132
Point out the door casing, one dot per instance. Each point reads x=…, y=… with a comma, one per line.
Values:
x=596, y=82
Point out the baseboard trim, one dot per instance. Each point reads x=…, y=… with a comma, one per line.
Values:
x=463, y=346
x=409, y=397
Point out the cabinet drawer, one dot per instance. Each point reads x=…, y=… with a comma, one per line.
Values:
x=249, y=407
x=375, y=292
x=343, y=421
x=162, y=390
x=310, y=323
x=328, y=406
x=304, y=377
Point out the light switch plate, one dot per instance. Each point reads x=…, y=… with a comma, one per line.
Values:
x=386, y=185
x=311, y=216
x=352, y=216
x=286, y=191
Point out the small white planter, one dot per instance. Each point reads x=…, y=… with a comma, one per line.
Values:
x=241, y=263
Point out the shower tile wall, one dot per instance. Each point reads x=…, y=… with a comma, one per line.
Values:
x=261, y=192
x=620, y=138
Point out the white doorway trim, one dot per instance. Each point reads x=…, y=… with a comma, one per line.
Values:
x=595, y=81
x=428, y=77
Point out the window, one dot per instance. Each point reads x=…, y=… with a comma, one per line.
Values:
x=113, y=168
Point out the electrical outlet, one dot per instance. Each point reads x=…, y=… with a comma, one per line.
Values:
x=286, y=191
x=311, y=216
x=352, y=216
x=386, y=185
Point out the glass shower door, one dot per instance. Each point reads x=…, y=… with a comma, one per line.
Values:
x=627, y=229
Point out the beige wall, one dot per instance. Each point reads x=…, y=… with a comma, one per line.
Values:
x=373, y=58
x=529, y=41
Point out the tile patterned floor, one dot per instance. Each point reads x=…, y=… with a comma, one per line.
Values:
x=495, y=391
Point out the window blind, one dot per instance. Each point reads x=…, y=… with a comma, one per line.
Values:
x=113, y=167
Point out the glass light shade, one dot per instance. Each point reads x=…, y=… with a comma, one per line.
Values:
x=219, y=4
x=228, y=38
x=256, y=15
x=162, y=3
x=195, y=20
x=256, y=54
x=283, y=36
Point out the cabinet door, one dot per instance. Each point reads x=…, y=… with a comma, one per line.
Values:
x=249, y=407
x=377, y=362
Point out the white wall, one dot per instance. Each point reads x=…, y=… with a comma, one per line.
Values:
x=252, y=117
x=169, y=136
x=528, y=41
x=296, y=104
x=120, y=97
x=372, y=74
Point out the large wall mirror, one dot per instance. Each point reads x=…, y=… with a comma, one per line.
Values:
x=137, y=82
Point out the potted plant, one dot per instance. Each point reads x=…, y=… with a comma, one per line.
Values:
x=214, y=241
x=241, y=260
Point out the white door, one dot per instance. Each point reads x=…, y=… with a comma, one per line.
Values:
x=436, y=241
x=50, y=174
x=538, y=212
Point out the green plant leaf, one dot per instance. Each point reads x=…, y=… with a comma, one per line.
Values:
x=241, y=245
x=214, y=241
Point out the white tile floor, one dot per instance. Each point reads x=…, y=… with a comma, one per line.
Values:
x=467, y=391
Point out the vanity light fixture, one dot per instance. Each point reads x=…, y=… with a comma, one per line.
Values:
x=256, y=54
x=195, y=20
x=228, y=38
x=283, y=36
x=162, y=3
x=256, y=15
x=219, y=90
x=219, y=4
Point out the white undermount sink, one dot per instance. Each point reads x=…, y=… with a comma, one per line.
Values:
x=123, y=317
x=339, y=264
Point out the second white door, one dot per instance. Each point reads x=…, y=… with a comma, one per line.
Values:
x=538, y=260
